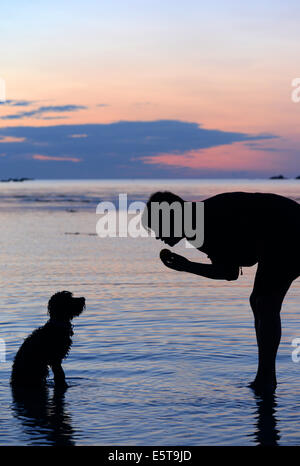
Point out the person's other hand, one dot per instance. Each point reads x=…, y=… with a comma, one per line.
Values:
x=174, y=261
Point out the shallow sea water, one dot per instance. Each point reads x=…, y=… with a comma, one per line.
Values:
x=158, y=357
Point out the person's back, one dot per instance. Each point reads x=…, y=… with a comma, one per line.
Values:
x=243, y=228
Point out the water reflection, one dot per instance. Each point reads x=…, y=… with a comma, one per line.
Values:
x=266, y=432
x=43, y=417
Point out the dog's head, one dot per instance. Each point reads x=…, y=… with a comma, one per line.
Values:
x=63, y=306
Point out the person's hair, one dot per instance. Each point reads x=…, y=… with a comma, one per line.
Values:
x=159, y=196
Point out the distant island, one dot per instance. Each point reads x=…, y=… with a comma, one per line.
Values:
x=281, y=177
x=278, y=177
x=18, y=180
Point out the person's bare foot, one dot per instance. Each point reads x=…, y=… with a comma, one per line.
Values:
x=260, y=386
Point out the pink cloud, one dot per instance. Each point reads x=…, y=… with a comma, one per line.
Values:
x=7, y=139
x=78, y=136
x=237, y=156
x=56, y=159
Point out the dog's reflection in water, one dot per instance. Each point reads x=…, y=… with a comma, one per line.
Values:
x=43, y=416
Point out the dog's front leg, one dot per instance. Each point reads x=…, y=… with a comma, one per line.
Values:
x=59, y=375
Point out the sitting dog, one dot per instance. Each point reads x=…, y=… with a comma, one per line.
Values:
x=48, y=345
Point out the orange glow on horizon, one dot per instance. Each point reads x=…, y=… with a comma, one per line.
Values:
x=56, y=159
x=236, y=156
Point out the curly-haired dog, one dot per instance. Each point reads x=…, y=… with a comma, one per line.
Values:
x=48, y=345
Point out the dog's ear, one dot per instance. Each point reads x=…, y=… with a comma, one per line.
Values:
x=58, y=301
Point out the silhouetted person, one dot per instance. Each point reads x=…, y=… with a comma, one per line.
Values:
x=242, y=229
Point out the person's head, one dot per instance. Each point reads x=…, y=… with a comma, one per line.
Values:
x=164, y=216
x=63, y=306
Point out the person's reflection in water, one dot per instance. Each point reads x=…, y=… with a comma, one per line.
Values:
x=43, y=418
x=266, y=432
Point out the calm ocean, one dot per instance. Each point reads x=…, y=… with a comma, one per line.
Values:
x=159, y=357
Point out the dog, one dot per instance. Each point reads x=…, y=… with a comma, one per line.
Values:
x=47, y=346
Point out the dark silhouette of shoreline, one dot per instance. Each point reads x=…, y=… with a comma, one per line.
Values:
x=16, y=180
x=278, y=177
x=281, y=177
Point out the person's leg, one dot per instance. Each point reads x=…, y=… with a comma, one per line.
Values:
x=270, y=287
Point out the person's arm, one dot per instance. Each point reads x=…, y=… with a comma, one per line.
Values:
x=214, y=271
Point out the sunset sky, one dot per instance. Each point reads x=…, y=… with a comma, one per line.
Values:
x=149, y=89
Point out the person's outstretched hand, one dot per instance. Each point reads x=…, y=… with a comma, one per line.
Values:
x=174, y=261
